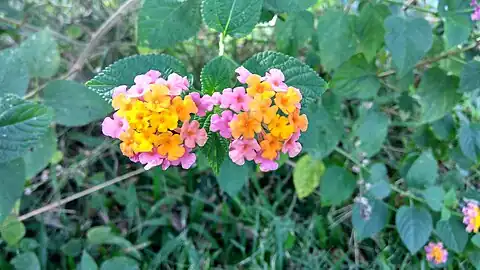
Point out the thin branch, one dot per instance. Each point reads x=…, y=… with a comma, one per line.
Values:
x=79, y=195
x=434, y=59
x=97, y=36
x=426, y=10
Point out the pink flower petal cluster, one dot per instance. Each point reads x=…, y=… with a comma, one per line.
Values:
x=113, y=127
x=476, y=13
x=153, y=159
x=204, y=104
x=471, y=216
x=221, y=124
x=242, y=149
x=176, y=84
x=276, y=78
x=235, y=99
x=436, y=253
x=192, y=134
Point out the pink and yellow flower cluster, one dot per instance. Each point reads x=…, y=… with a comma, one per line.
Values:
x=261, y=120
x=436, y=253
x=471, y=216
x=153, y=121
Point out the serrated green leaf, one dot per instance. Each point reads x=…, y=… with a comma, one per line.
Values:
x=458, y=23
x=12, y=230
x=123, y=72
x=423, y=172
x=434, y=197
x=380, y=187
x=356, y=78
x=41, y=154
x=370, y=143
x=414, y=225
x=163, y=23
x=377, y=220
x=120, y=263
x=26, y=261
x=232, y=177
x=22, y=125
x=232, y=17
x=370, y=29
x=296, y=73
x=452, y=233
x=469, y=79
x=87, y=262
x=408, y=40
x=437, y=94
x=41, y=54
x=74, y=104
x=335, y=27
x=306, y=175
x=291, y=34
x=337, y=186
x=218, y=74
x=11, y=187
x=14, y=76
x=216, y=148
x=280, y=6
x=323, y=133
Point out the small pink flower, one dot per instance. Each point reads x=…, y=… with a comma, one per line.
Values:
x=122, y=89
x=238, y=99
x=476, y=14
x=153, y=74
x=224, y=100
x=241, y=150
x=166, y=164
x=176, y=84
x=276, y=78
x=221, y=123
x=192, y=134
x=137, y=91
x=204, y=104
x=471, y=216
x=151, y=159
x=243, y=74
x=216, y=98
x=143, y=80
x=266, y=165
x=113, y=127
x=436, y=253
x=187, y=160
x=292, y=146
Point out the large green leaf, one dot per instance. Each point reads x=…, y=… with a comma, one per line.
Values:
x=120, y=263
x=434, y=197
x=40, y=155
x=218, y=74
x=288, y=5
x=291, y=34
x=11, y=187
x=123, y=72
x=41, y=54
x=26, y=261
x=469, y=140
x=335, y=27
x=232, y=177
x=378, y=180
x=370, y=29
x=306, y=175
x=423, y=172
x=377, y=220
x=14, y=76
x=469, y=79
x=356, y=78
x=452, y=233
x=232, y=17
x=22, y=125
x=296, y=73
x=370, y=143
x=458, y=24
x=437, y=93
x=414, y=225
x=12, y=230
x=87, y=262
x=163, y=23
x=337, y=186
x=324, y=132
x=408, y=40
x=74, y=104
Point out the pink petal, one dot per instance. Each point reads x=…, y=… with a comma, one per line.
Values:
x=122, y=89
x=243, y=74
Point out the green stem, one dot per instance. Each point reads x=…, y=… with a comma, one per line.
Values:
x=221, y=45
x=422, y=9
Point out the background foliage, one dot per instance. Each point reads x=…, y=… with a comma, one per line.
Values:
x=390, y=156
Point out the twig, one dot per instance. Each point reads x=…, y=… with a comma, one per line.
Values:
x=435, y=58
x=408, y=4
x=426, y=10
x=96, y=37
x=79, y=195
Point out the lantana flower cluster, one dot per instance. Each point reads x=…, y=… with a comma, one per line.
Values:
x=261, y=120
x=153, y=120
x=471, y=216
x=436, y=253
x=476, y=13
